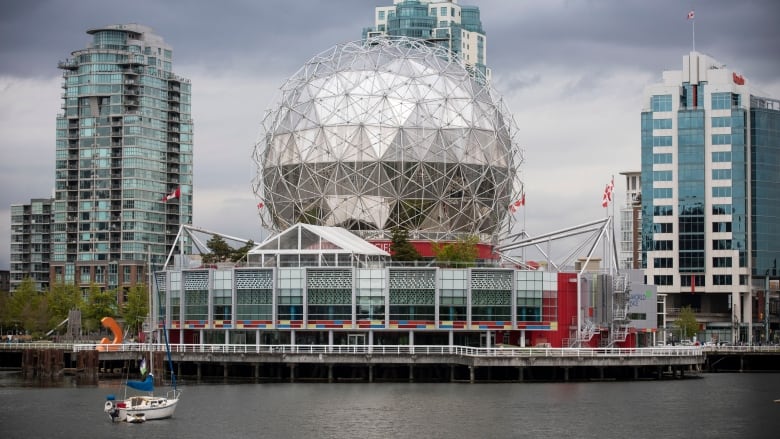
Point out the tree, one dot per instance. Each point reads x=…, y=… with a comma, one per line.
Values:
x=101, y=303
x=400, y=247
x=462, y=253
x=686, y=323
x=136, y=308
x=220, y=250
x=240, y=253
x=61, y=298
x=6, y=319
x=23, y=306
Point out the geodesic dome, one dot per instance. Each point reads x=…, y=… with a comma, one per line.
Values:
x=388, y=132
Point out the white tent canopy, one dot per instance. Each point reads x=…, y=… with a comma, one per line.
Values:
x=310, y=245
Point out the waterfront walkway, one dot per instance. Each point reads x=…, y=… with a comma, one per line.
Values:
x=395, y=362
x=391, y=362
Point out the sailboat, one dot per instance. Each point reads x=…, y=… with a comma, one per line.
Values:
x=146, y=407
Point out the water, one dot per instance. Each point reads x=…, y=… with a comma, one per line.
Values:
x=715, y=406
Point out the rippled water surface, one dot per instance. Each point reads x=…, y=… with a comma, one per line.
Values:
x=714, y=406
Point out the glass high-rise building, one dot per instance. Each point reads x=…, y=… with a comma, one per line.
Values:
x=711, y=199
x=445, y=23
x=30, y=243
x=124, y=142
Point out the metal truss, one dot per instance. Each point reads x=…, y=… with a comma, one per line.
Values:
x=389, y=132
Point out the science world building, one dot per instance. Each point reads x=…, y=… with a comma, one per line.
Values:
x=367, y=137
x=385, y=133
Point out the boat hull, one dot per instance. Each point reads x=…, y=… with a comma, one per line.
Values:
x=143, y=408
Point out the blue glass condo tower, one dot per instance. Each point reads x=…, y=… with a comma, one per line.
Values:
x=124, y=141
x=711, y=200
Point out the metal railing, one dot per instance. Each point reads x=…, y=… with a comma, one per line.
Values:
x=659, y=351
x=675, y=351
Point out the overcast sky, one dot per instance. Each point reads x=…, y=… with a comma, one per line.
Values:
x=571, y=71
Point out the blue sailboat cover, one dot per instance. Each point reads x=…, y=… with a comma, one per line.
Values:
x=146, y=385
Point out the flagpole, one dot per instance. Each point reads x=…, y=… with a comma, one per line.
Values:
x=693, y=33
x=522, y=197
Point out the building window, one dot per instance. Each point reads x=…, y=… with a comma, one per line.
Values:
x=721, y=226
x=660, y=159
x=721, y=101
x=665, y=279
x=721, y=209
x=380, y=15
x=662, y=140
x=721, y=279
x=661, y=103
x=662, y=192
x=662, y=124
x=662, y=210
x=721, y=156
x=721, y=262
x=663, y=262
x=662, y=227
x=720, y=122
x=412, y=304
x=721, y=244
x=662, y=175
x=663, y=244
x=721, y=174
x=721, y=139
x=721, y=191
x=691, y=280
x=85, y=277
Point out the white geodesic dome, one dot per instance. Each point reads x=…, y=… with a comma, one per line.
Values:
x=388, y=132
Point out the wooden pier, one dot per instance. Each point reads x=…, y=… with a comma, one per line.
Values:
x=364, y=363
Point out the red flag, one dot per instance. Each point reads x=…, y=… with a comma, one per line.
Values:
x=260, y=205
x=606, y=197
x=690, y=15
x=175, y=194
x=519, y=203
x=693, y=284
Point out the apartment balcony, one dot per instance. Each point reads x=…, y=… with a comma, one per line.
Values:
x=68, y=64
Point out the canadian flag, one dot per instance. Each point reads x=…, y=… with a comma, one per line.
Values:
x=260, y=205
x=607, y=197
x=690, y=15
x=175, y=194
x=519, y=203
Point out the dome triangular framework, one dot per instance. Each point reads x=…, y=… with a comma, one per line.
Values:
x=384, y=133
